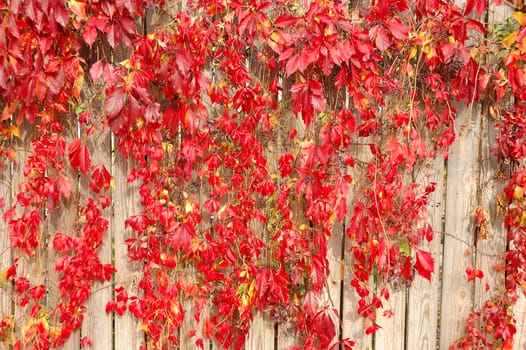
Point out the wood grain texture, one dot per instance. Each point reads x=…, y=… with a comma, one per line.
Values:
x=97, y=324
x=125, y=198
x=6, y=288
x=261, y=336
x=332, y=293
x=187, y=342
x=62, y=220
x=491, y=240
x=461, y=192
x=354, y=325
x=286, y=336
x=519, y=313
x=392, y=334
x=424, y=297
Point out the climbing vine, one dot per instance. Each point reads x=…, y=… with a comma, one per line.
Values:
x=254, y=127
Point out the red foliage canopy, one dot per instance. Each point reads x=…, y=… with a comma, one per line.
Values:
x=255, y=127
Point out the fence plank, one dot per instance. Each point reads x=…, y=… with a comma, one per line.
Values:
x=461, y=190
x=354, y=325
x=33, y=268
x=519, y=312
x=97, y=324
x=392, y=334
x=285, y=336
x=127, y=333
x=62, y=220
x=261, y=334
x=186, y=341
x=491, y=236
x=332, y=294
x=422, y=313
x=6, y=302
x=491, y=240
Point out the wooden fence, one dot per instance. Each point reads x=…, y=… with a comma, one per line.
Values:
x=427, y=315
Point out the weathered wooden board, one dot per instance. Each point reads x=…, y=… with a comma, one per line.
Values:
x=97, y=324
x=392, y=333
x=461, y=193
x=62, y=220
x=424, y=296
x=6, y=301
x=126, y=203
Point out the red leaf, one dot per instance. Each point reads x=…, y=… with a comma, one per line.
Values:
x=447, y=51
x=89, y=35
x=85, y=342
x=292, y=65
x=372, y=329
x=286, y=21
x=100, y=179
x=479, y=5
x=208, y=327
x=325, y=328
x=382, y=41
x=318, y=100
x=79, y=156
x=310, y=303
x=425, y=264
x=193, y=117
x=96, y=70
x=474, y=273
x=62, y=243
x=98, y=22
x=347, y=344
x=114, y=102
x=319, y=103
x=285, y=164
x=111, y=36
x=398, y=29
x=64, y=186
x=285, y=55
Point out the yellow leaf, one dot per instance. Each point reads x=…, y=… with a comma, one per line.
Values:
x=304, y=227
x=510, y=39
x=252, y=289
x=520, y=17
x=79, y=82
x=414, y=51
x=15, y=131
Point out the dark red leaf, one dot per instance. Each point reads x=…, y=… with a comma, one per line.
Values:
x=79, y=156
x=114, y=101
x=89, y=35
